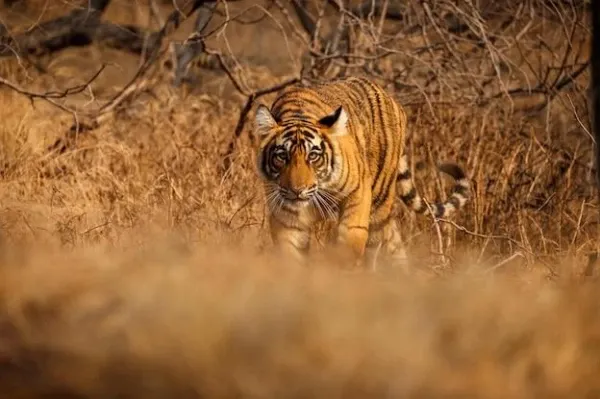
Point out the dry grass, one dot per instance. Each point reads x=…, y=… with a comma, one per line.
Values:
x=132, y=267
x=173, y=321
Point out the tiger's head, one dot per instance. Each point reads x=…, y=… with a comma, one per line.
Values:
x=297, y=156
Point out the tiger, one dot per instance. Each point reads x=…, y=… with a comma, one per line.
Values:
x=335, y=151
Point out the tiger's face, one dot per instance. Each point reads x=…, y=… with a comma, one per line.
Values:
x=297, y=158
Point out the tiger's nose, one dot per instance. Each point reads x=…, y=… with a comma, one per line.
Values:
x=303, y=192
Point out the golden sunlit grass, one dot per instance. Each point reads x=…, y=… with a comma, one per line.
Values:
x=132, y=266
x=170, y=320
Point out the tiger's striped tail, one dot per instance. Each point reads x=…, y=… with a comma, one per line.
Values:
x=409, y=195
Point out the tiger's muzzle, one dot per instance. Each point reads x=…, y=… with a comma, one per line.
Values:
x=299, y=194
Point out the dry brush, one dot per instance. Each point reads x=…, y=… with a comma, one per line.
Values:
x=143, y=128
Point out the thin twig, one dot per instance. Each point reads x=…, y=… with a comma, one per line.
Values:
x=504, y=262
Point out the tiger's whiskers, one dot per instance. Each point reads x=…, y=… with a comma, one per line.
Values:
x=326, y=203
x=274, y=198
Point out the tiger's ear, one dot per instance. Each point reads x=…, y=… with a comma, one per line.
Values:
x=263, y=121
x=336, y=122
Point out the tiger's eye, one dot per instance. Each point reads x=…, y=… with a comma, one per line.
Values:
x=313, y=156
x=280, y=157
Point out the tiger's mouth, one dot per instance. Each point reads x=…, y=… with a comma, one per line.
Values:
x=325, y=203
x=301, y=196
x=295, y=203
x=296, y=199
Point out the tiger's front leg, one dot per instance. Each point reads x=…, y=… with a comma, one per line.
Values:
x=353, y=228
x=290, y=239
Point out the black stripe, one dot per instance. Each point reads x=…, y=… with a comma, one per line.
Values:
x=329, y=150
x=267, y=157
x=349, y=202
x=308, y=134
x=384, y=147
x=347, y=177
x=384, y=194
x=293, y=115
x=356, y=101
x=410, y=196
x=326, y=162
x=320, y=163
x=357, y=87
x=280, y=104
x=367, y=98
x=304, y=104
x=287, y=135
x=454, y=201
x=380, y=166
x=403, y=175
x=351, y=193
x=322, y=147
x=362, y=168
x=372, y=128
x=460, y=190
x=311, y=101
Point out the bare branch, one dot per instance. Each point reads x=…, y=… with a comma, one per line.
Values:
x=172, y=22
x=305, y=18
x=75, y=29
x=83, y=26
x=194, y=45
x=53, y=94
